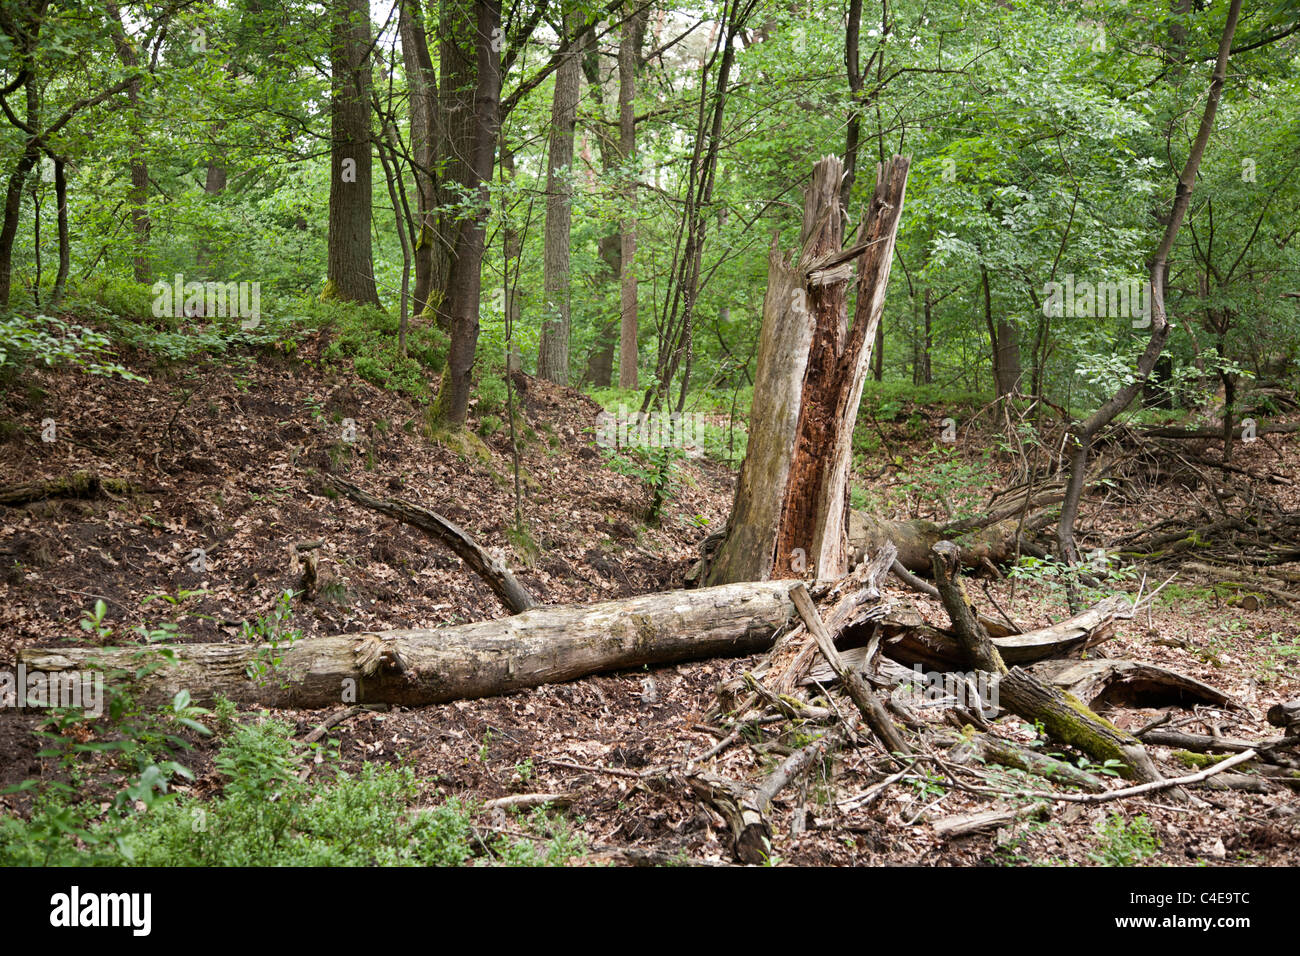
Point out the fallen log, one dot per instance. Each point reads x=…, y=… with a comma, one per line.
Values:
x=965, y=824
x=1124, y=683
x=911, y=642
x=498, y=577
x=1286, y=715
x=997, y=543
x=79, y=484
x=989, y=749
x=1216, y=433
x=431, y=666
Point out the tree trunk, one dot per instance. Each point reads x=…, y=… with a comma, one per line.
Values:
x=791, y=508
x=417, y=667
x=423, y=86
x=138, y=197
x=1083, y=433
x=1004, y=343
x=350, y=267
x=65, y=248
x=629, y=60
x=461, y=306
x=553, y=351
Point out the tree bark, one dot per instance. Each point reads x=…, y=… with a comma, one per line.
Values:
x=422, y=83
x=350, y=266
x=792, y=500
x=461, y=305
x=629, y=60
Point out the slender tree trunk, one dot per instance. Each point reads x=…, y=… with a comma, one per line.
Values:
x=853, y=132
x=461, y=306
x=138, y=198
x=553, y=351
x=422, y=83
x=17, y=179
x=1082, y=433
x=629, y=60
x=457, y=83
x=927, y=375
x=350, y=266
x=65, y=251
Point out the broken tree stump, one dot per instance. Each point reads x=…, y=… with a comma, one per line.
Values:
x=792, y=498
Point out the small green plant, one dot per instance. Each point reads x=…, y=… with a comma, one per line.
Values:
x=273, y=633
x=1124, y=842
x=1061, y=578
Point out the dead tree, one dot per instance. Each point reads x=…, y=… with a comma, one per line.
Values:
x=792, y=499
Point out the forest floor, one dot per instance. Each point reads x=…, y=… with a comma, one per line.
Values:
x=218, y=457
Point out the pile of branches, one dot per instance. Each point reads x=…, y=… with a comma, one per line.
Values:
x=837, y=688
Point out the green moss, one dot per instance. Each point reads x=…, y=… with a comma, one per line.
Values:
x=1195, y=761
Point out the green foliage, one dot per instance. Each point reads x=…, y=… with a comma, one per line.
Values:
x=48, y=341
x=265, y=816
x=1100, y=573
x=1125, y=843
x=556, y=843
x=272, y=633
x=368, y=337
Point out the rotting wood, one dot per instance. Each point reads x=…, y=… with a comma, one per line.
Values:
x=791, y=507
x=483, y=659
x=1125, y=683
x=1063, y=716
x=873, y=711
x=78, y=484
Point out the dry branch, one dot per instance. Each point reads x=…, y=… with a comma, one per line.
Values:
x=498, y=577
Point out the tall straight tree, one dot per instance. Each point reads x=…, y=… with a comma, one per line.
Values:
x=350, y=266
x=464, y=275
x=422, y=82
x=629, y=59
x=553, y=351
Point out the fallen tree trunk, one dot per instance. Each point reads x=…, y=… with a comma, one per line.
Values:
x=999, y=542
x=484, y=659
x=498, y=577
x=1121, y=683
x=1215, y=434
x=1286, y=715
x=79, y=484
x=914, y=642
